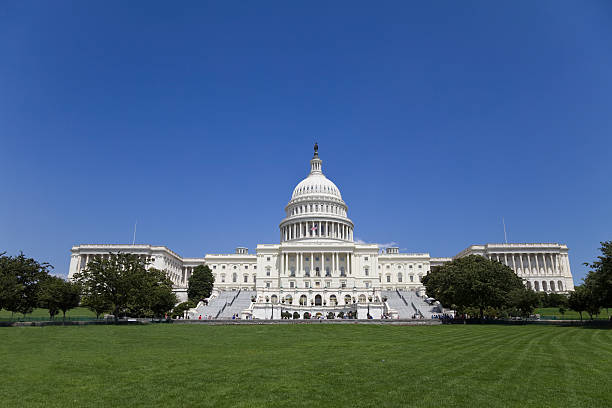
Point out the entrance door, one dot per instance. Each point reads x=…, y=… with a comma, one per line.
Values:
x=318, y=301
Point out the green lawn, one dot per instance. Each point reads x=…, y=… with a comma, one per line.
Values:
x=553, y=312
x=306, y=366
x=43, y=314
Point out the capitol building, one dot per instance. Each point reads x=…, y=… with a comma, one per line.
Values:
x=318, y=267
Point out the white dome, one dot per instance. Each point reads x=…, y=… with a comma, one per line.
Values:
x=316, y=184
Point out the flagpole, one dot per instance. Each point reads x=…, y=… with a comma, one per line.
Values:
x=134, y=238
x=505, y=235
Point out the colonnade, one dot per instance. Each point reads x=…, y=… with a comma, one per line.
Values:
x=340, y=264
x=313, y=229
x=532, y=263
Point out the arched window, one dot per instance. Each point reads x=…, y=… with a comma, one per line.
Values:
x=333, y=301
x=560, y=286
x=388, y=278
x=235, y=277
x=222, y=277
x=528, y=285
x=246, y=278
x=274, y=299
x=399, y=277
x=362, y=299
x=347, y=299
x=366, y=271
x=288, y=300
x=544, y=286
x=552, y=286
x=318, y=300
x=536, y=285
x=303, y=300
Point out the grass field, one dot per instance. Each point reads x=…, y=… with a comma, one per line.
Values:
x=306, y=365
x=43, y=314
x=553, y=312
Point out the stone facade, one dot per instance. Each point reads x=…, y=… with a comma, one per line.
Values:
x=317, y=265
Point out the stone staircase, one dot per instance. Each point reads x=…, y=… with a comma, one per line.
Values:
x=408, y=304
x=241, y=301
x=215, y=306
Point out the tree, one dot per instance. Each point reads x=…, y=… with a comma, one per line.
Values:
x=578, y=299
x=57, y=294
x=523, y=300
x=20, y=279
x=200, y=283
x=124, y=285
x=472, y=281
x=599, y=278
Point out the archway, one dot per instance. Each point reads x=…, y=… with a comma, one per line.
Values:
x=333, y=301
x=288, y=300
x=303, y=300
x=274, y=299
x=318, y=300
x=362, y=299
x=536, y=285
x=347, y=299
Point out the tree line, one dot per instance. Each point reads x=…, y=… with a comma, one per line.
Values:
x=478, y=286
x=121, y=284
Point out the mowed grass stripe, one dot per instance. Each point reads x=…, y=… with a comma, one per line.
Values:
x=306, y=365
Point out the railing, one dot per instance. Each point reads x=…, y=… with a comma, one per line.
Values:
x=221, y=311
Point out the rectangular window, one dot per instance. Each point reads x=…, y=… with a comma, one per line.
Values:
x=267, y=284
x=328, y=284
x=268, y=258
x=246, y=278
x=367, y=284
x=292, y=285
x=388, y=278
x=246, y=266
x=366, y=271
x=365, y=258
x=343, y=284
x=306, y=284
x=411, y=278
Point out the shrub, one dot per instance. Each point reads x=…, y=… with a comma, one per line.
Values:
x=296, y=315
x=306, y=315
x=331, y=315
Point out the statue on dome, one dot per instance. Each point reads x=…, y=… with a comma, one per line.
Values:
x=316, y=149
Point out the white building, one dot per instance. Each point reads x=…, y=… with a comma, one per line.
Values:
x=318, y=268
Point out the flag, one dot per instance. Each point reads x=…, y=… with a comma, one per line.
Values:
x=314, y=227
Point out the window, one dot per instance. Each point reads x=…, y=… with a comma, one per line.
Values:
x=246, y=266
x=306, y=284
x=343, y=284
x=328, y=284
x=268, y=271
x=306, y=259
x=388, y=278
x=399, y=266
x=222, y=277
x=268, y=258
x=420, y=266
x=254, y=266
x=267, y=284
x=411, y=278
x=388, y=266
x=316, y=258
x=223, y=267
x=409, y=266
x=234, y=266
x=399, y=277
x=214, y=266
x=234, y=278
x=365, y=258
x=292, y=284
x=366, y=271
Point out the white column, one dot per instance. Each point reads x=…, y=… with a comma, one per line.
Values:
x=323, y=263
x=529, y=262
x=514, y=263
x=537, y=263
x=521, y=263
x=333, y=270
x=506, y=259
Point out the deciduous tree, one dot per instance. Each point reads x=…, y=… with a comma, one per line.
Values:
x=472, y=281
x=200, y=283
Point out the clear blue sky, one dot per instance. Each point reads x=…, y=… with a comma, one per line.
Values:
x=435, y=119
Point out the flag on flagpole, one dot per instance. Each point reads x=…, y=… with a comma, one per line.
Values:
x=314, y=227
